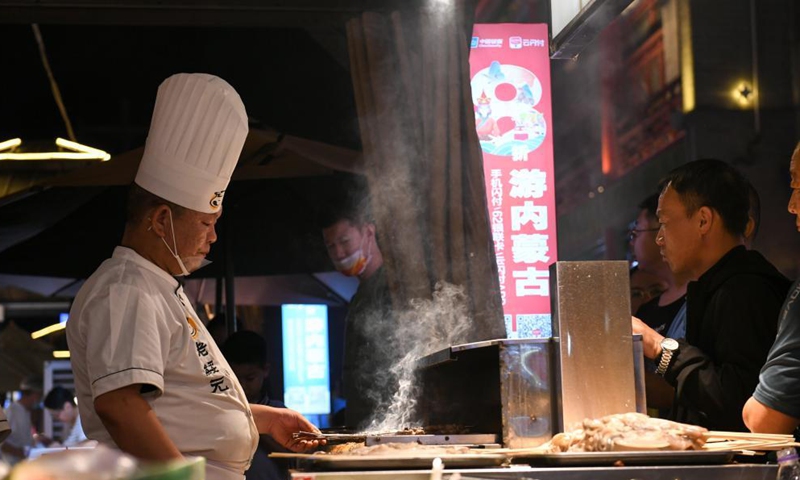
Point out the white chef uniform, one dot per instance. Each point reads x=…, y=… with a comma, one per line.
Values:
x=131, y=323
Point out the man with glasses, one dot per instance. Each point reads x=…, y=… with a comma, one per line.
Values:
x=644, y=287
x=659, y=312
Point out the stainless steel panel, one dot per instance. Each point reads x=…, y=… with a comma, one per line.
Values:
x=501, y=386
x=591, y=317
x=526, y=393
x=638, y=374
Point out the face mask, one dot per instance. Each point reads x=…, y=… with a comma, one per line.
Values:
x=184, y=272
x=355, y=264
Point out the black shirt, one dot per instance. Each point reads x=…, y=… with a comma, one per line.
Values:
x=657, y=317
x=369, y=353
x=731, y=322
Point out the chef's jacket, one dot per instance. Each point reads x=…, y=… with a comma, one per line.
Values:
x=132, y=324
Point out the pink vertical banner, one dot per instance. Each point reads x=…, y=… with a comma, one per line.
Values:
x=510, y=79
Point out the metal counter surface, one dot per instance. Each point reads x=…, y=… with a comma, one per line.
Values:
x=518, y=472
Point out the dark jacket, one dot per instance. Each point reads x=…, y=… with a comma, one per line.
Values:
x=731, y=323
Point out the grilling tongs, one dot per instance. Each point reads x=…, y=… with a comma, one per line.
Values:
x=330, y=437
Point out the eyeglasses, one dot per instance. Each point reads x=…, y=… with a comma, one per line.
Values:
x=646, y=293
x=634, y=232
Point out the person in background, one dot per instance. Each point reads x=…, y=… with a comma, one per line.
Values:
x=351, y=241
x=246, y=352
x=774, y=406
x=150, y=379
x=218, y=328
x=21, y=440
x=60, y=403
x=644, y=287
x=664, y=312
x=731, y=307
x=659, y=312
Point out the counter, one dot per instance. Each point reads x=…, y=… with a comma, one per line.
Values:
x=520, y=472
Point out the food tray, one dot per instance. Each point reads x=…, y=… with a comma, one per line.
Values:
x=393, y=462
x=658, y=457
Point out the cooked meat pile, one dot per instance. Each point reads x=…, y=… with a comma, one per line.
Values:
x=395, y=449
x=628, y=431
x=342, y=448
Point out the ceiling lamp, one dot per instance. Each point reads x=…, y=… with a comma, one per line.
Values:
x=76, y=151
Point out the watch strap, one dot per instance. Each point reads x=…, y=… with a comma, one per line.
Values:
x=663, y=364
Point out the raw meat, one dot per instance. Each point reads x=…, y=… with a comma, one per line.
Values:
x=628, y=431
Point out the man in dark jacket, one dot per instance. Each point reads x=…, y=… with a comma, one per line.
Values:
x=369, y=352
x=732, y=307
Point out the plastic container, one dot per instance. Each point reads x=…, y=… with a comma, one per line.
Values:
x=788, y=467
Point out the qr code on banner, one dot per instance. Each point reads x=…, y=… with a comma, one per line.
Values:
x=509, y=332
x=534, y=326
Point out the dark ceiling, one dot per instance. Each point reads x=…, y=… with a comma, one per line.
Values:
x=287, y=59
x=108, y=76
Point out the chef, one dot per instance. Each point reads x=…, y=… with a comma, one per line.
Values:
x=149, y=377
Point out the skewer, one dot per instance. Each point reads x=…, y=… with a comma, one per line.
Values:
x=330, y=437
x=749, y=436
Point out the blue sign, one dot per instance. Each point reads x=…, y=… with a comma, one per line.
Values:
x=306, y=369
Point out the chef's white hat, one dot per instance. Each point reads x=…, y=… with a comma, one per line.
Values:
x=196, y=136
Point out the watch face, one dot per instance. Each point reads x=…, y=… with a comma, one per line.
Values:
x=669, y=344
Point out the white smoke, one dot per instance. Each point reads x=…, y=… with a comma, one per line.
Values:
x=427, y=326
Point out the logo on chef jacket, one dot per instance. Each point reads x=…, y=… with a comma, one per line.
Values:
x=216, y=200
x=193, y=327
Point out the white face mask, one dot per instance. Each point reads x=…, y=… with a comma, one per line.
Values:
x=355, y=264
x=184, y=272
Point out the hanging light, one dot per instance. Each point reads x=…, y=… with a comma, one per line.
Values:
x=77, y=151
x=68, y=149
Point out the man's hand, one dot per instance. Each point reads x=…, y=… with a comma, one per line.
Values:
x=281, y=423
x=651, y=340
x=43, y=439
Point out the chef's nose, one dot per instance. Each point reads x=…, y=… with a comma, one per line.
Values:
x=212, y=235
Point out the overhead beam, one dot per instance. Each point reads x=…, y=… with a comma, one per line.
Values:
x=585, y=27
x=245, y=13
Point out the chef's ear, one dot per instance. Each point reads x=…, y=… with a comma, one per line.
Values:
x=158, y=221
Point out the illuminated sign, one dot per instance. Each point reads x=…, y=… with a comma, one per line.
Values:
x=306, y=371
x=510, y=79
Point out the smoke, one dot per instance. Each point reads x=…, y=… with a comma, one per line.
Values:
x=425, y=327
x=408, y=115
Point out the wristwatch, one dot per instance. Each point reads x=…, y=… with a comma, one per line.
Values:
x=669, y=347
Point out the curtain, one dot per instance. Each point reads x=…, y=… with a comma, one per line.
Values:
x=422, y=157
